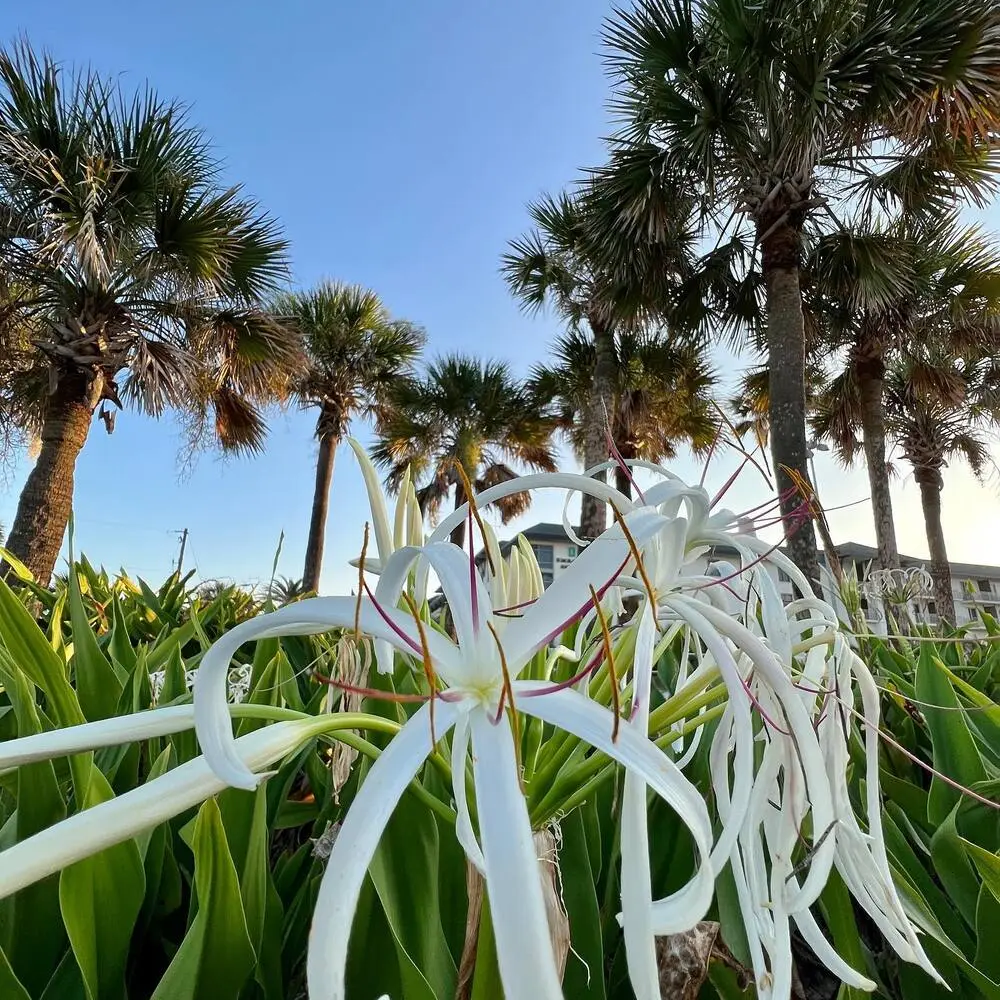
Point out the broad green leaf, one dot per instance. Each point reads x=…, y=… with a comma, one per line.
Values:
x=953, y=868
x=98, y=685
x=216, y=957
x=36, y=938
x=955, y=752
x=120, y=643
x=582, y=906
x=11, y=988
x=987, y=922
x=100, y=898
x=838, y=910
x=29, y=651
x=988, y=865
x=404, y=871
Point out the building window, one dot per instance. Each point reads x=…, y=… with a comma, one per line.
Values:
x=990, y=609
x=783, y=576
x=544, y=555
x=547, y=579
x=985, y=587
x=932, y=607
x=864, y=605
x=572, y=552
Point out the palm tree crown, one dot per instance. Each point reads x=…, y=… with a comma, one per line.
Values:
x=771, y=112
x=131, y=277
x=661, y=395
x=356, y=355
x=468, y=414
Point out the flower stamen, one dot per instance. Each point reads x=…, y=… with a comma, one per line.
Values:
x=612, y=672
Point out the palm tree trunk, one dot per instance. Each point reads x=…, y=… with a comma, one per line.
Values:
x=458, y=532
x=930, y=483
x=46, y=501
x=871, y=375
x=622, y=483
x=781, y=251
x=594, y=512
x=320, y=509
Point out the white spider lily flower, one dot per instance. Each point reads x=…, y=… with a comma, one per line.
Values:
x=475, y=669
x=407, y=525
x=127, y=815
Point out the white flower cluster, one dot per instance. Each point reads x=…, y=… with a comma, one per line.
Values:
x=778, y=756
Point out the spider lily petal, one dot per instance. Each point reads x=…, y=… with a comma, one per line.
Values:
x=569, y=596
x=142, y=808
x=592, y=723
x=317, y=614
x=524, y=948
x=637, y=887
x=463, y=822
x=356, y=844
x=376, y=500
x=94, y=735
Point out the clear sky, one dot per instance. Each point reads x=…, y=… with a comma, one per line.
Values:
x=398, y=143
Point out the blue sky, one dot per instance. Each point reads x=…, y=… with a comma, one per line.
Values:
x=397, y=143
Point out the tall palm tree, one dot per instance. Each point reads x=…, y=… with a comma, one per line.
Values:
x=558, y=263
x=936, y=408
x=138, y=279
x=660, y=395
x=770, y=110
x=873, y=291
x=356, y=354
x=464, y=414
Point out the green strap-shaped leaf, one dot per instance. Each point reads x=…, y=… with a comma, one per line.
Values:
x=955, y=752
x=98, y=685
x=216, y=957
x=36, y=941
x=583, y=909
x=11, y=987
x=100, y=898
x=405, y=873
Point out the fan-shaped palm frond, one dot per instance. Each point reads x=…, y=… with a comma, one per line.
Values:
x=463, y=413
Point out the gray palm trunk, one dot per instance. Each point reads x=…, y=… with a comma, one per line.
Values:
x=931, y=483
x=46, y=502
x=871, y=377
x=786, y=387
x=320, y=511
x=594, y=513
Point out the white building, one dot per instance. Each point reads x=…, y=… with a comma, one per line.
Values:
x=976, y=587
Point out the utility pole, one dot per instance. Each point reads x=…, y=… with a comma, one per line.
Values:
x=180, y=555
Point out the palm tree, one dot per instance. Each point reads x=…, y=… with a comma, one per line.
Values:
x=770, y=110
x=558, y=263
x=660, y=395
x=137, y=280
x=470, y=415
x=936, y=407
x=356, y=354
x=875, y=290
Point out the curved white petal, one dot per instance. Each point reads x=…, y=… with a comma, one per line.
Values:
x=463, y=821
x=376, y=500
x=93, y=735
x=316, y=614
x=637, y=887
x=92, y=830
x=513, y=882
x=536, y=481
x=569, y=593
x=593, y=723
x=356, y=843
x=828, y=955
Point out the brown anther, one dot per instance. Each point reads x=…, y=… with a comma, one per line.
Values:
x=426, y=655
x=361, y=586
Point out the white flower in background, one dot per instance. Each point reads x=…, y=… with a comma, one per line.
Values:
x=479, y=675
x=237, y=689
x=407, y=525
